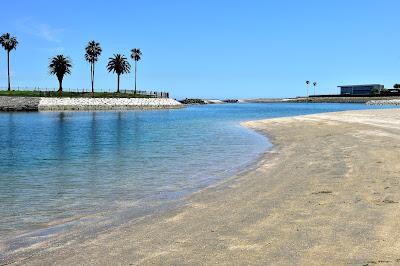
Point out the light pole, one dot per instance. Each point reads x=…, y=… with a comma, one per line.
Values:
x=307, y=85
x=315, y=85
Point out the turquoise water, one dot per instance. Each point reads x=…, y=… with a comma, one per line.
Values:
x=57, y=167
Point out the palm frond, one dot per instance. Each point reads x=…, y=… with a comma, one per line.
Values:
x=60, y=65
x=118, y=64
x=8, y=42
x=136, y=54
x=93, y=51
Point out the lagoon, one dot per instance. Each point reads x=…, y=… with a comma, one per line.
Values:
x=58, y=168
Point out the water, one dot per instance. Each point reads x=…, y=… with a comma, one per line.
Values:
x=57, y=167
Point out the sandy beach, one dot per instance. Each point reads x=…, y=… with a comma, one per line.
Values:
x=327, y=194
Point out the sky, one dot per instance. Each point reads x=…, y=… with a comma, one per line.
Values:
x=208, y=48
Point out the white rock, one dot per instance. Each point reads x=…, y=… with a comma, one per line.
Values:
x=57, y=104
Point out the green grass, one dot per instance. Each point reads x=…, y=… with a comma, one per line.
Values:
x=71, y=94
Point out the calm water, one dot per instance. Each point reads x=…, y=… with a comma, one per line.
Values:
x=57, y=167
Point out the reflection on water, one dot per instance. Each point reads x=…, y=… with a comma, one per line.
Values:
x=55, y=166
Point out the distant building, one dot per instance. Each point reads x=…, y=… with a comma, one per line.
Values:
x=394, y=90
x=368, y=89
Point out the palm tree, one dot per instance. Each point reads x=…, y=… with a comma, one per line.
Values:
x=60, y=66
x=307, y=84
x=315, y=85
x=136, y=55
x=93, y=51
x=9, y=43
x=118, y=64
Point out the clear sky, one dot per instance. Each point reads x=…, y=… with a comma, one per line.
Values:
x=209, y=48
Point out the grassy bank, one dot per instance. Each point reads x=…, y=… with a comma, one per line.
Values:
x=72, y=94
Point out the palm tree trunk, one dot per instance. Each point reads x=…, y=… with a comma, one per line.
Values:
x=60, y=86
x=8, y=70
x=92, y=76
x=118, y=85
x=135, y=75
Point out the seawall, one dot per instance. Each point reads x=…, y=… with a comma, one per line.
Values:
x=15, y=104
x=10, y=104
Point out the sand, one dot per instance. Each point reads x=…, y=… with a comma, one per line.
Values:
x=327, y=194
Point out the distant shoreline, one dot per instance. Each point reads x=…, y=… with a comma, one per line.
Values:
x=328, y=99
x=29, y=104
x=382, y=100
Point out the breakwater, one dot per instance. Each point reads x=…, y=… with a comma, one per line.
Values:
x=340, y=99
x=384, y=102
x=10, y=104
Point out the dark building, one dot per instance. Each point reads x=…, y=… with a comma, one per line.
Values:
x=368, y=89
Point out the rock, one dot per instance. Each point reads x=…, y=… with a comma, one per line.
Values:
x=230, y=101
x=192, y=101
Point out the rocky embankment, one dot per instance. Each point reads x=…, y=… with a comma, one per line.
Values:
x=207, y=101
x=322, y=100
x=9, y=104
x=384, y=102
x=337, y=99
x=193, y=101
x=14, y=104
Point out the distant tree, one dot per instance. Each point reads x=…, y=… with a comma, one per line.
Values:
x=315, y=85
x=396, y=86
x=9, y=43
x=307, y=85
x=118, y=64
x=93, y=51
x=60, y=66
x=374, y=91
x=136, y=55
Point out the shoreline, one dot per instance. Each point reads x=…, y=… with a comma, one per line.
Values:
x=70, y=229
x=327, y=193
x=60, y=231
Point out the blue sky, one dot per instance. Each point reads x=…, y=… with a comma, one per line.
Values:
x=209, y=48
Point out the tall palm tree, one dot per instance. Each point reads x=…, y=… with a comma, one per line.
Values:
x=307, y=84
x=136, y=55
x=9, y=43
x=60, y=66
x=93, y=51
x=315, y=85
x=118, y=64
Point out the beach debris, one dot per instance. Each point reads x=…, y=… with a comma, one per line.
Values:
x=389, y=199
x=322, y=192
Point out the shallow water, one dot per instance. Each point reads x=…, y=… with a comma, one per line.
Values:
x=59, y=166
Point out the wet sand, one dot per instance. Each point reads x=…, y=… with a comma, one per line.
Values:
x=327, y=194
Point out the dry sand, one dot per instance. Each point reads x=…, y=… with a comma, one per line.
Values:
x=327, y=194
